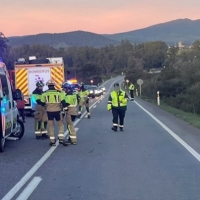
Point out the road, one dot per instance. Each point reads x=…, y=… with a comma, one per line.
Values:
x=156, y=157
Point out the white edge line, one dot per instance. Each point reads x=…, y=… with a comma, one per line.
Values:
x=183, y=143
x=32, y=171
x=29, y=189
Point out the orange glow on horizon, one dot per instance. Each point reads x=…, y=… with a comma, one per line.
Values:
x=132, y=16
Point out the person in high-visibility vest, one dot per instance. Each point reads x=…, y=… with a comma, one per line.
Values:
x=131, y=89
x=40, y=114
x=117, y=103
x=71, y=99
x=84, y=100
x=53, y=99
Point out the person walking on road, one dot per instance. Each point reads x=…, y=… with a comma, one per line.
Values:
x=40, y=114
x=54, y=99
x=131, y=90
x=71, y=100
x=84, y=100
x=117, y=103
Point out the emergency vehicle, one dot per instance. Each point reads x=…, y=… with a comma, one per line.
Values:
x=11, y=126
x=27, y=73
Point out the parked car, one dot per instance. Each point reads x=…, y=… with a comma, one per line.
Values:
x=97, y=91
x=103, y=89
x=91, y=90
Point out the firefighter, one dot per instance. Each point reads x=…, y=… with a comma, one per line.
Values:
x=54, y=99
x=83, y=100
x=131, y=90
x=117, y=103
x=71, y=100
x=40, y=112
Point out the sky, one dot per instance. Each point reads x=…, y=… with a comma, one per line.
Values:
x=29, y=17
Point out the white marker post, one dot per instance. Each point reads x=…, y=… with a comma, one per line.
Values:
x=140, y=82
x=136, y=92
x=158, y=98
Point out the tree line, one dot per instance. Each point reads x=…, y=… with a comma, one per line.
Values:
x=178, y=82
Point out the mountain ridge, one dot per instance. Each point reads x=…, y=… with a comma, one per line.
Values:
x=184, y=30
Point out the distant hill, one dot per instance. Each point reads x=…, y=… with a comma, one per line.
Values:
x=75, y=38
x=184, y=30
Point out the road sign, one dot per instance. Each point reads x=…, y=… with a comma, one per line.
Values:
x=140, y=81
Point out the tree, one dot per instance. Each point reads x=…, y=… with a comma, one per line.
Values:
x=3, y=44
x=155, y=54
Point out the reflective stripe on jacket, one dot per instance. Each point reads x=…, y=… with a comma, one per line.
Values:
x=131, y=87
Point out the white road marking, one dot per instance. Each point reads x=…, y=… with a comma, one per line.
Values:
x=189, y=148
x=32, y=171
x=29, y=189
x=95, y=106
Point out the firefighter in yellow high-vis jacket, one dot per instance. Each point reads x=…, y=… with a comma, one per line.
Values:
x=40, y=111
x=54, y=100
x=71, y=99
x=84, y=100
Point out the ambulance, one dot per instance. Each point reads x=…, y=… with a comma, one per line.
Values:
x=11, y=125
x=28, y=72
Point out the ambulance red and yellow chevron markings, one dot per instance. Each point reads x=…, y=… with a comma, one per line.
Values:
x=22, y=80
x=57, y=74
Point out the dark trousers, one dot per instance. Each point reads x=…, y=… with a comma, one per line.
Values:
x=132, y=93
x=118, y=115
x=21, y=112
x=54, y=115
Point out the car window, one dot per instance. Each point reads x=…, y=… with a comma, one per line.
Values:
x=4, y=84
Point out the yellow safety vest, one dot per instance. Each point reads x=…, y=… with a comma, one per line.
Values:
x=131, y=87
x=117, y=100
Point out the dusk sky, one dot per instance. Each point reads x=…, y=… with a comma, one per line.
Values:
x=26, y=17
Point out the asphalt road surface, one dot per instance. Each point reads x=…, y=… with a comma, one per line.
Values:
x=157, y=157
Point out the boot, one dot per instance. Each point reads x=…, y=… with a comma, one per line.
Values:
x=52, y=143
x=68, y=141
x=63, y=142
x=45, y=136
x=79, y=115
x=114, y=128
x=88, y=115
x=74, y=143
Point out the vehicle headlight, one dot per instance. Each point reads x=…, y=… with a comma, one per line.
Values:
x=91, y=91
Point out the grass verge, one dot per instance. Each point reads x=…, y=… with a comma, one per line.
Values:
x=190, y=118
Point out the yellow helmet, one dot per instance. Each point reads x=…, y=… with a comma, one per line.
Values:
x=51, y=82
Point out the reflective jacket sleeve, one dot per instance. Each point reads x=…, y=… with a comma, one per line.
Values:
x=109, y=106
x=40, y=102
x=126, y=98
x=42, y=98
